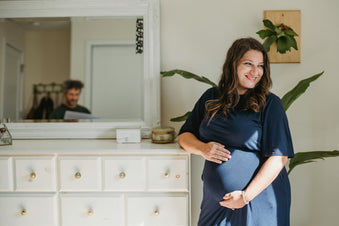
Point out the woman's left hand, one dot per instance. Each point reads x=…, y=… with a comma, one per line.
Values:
x=233, y=200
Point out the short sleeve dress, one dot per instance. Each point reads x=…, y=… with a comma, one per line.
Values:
x=251, y=137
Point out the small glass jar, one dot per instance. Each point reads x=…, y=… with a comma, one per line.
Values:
x=5, y=136
x=163, y=135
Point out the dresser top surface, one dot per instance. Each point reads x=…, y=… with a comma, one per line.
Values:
x=88, y=147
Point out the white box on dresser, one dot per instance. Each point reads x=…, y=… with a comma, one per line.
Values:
x=94, y=182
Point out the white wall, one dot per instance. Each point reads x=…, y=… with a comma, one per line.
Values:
x=195, y=35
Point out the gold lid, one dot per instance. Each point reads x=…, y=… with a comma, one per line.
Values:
x=163, y=130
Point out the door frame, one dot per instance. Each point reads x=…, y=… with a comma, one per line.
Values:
x=20, y=85
x=88, y=72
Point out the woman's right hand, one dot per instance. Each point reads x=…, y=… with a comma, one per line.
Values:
x=215, y=152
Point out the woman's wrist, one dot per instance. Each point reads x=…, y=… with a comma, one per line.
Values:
x=246, y=201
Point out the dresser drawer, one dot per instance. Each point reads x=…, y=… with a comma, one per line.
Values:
x=79, y=173
x=6, y=181
x=124, y=174
x=28, y=210
x=34, y=173
x=90, y=210
x=168, y=173
x=164, y=211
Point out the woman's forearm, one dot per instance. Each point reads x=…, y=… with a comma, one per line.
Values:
x=211, y=151
x=190, y=143
x=266, y=175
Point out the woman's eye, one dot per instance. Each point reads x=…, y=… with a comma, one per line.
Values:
x=261, y=66
x=248, y=63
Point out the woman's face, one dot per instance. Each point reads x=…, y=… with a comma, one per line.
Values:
x=250, y=70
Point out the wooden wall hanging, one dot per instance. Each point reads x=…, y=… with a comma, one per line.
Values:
x=291, y=18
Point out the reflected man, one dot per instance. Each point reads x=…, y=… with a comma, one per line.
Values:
x=71, y=93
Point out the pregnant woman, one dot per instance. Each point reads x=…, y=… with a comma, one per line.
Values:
x=241, y=129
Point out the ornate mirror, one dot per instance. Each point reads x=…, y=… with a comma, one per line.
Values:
x=121, y=78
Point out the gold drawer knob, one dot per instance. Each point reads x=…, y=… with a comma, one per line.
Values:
x=32, y=175
x=122, y=175
x=166, y=174
x=90, y=212
x=77, y=175
x=156, y=212
x=23, y=212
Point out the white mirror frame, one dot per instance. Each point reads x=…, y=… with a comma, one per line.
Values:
x=149, y=10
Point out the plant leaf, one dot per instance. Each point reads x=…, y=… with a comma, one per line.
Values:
x=268, y=42
x=307, y=157
x=181, y=118
x=299, y=89
x=269, y=24
x=188, y=75
x=291, y=33
x=265, y=33
x=293, y=42
x=283, y=44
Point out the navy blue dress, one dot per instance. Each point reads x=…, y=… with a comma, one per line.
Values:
x=251, y=138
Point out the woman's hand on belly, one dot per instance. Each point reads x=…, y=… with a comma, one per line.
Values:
x=211, y=151
x=215, y=152
x=233, y=200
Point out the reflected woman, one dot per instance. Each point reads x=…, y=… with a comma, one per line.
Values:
x=241, y=130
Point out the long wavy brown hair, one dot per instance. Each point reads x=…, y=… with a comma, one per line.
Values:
x=254, y=99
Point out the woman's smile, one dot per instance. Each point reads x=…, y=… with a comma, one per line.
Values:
x=251, y=78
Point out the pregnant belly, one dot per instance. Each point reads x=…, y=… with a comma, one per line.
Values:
x=231, y=175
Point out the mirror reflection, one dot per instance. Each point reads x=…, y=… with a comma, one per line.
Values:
x=42, y=53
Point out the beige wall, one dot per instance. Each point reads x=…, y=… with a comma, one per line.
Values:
x=47, y=59
x=195, y=35
x=14, y=35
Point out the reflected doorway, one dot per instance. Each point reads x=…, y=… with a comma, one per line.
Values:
x=116, y=81
x=13, y=83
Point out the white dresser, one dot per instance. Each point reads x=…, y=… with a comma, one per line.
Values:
x=93, y=183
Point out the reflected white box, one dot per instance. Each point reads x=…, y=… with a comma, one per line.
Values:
x=128, y=135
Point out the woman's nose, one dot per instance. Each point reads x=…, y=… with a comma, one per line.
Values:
x=255, y=71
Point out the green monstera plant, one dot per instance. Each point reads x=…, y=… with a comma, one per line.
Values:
x=300, y=157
